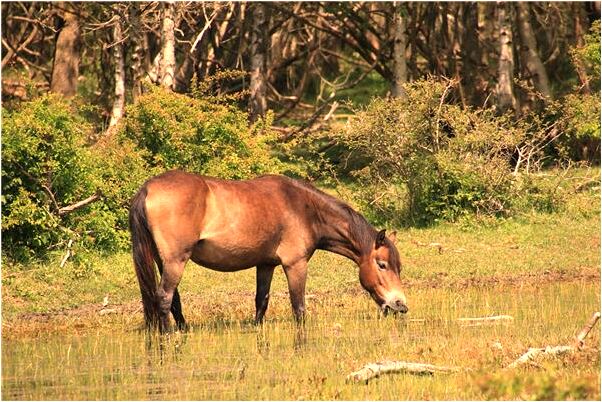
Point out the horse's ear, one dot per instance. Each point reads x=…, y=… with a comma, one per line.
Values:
x=392, y=236
x=380, y=239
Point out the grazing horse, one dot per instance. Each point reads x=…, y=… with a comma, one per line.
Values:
x=229, y=225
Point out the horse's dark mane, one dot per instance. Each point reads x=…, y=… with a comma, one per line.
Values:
x=362, y=233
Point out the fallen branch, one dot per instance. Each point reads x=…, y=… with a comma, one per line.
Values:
x=65, y=210
x=586, y=330
x=372, y=370
x=534, y=353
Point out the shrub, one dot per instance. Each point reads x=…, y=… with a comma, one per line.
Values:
x=199, y=135
x=581, y=127
x=46, y=165
x=588, y=55
x=450, y=161
x=581, y=112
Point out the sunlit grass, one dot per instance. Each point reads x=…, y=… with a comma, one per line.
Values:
x=232, y=359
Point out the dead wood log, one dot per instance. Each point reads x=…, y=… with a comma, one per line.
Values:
x=585, y=330
x=372, y=370
x=474, y=321
x=534, y=353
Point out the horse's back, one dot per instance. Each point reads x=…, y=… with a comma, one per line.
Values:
x=228, y=223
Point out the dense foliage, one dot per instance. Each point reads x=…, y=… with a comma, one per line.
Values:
x=45, y=165
x=200, y=135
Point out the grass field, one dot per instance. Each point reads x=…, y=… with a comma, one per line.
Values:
x=543, y=269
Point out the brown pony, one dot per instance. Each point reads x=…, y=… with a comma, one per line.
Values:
x=229, y=225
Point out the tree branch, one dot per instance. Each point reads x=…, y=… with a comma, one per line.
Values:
x=73, y=207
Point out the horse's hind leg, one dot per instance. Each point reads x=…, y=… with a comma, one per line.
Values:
x=176, y=310
x=262, y=297
x=172, y=273
x=176, y=304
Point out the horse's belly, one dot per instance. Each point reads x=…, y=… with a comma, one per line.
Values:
x=229, y=256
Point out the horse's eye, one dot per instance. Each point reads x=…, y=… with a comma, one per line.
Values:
x=382, y=265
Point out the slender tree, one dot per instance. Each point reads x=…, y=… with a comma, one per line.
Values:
x=505, y=85
x=65, y=68
x=168, y=46
x=400, y=69
x=529, y=49
x=136, y=42
x=118, y=58
x=258, y=49
x=471, y=79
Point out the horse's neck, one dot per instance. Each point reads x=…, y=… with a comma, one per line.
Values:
x=336, y=234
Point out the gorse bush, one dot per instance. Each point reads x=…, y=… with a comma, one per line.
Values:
x=581, y=128
x=588, y=55
x=581, y=112
x=443, y=160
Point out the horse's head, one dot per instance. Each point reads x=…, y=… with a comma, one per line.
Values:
x=379, y=274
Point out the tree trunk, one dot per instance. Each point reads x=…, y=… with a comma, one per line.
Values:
x=138, y=49
x=65, y=69
x=538, y=73
x=168, y=46
x=119, y=101
x=580, y=21
x=471, y=54
x=257, y=101
x=506, y=98
x=400, y=68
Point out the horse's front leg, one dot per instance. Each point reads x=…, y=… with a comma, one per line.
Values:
x=296, y=275
x=262, y=297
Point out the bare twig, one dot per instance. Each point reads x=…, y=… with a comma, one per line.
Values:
x=477, y=321
x=450, y=85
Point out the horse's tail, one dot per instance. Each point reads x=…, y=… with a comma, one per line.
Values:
x=143, y=247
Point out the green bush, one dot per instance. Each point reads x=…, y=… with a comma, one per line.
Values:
x=444, y=161
x=46, y=165
x=581, y=128
x=198, y=135
x=580, y=113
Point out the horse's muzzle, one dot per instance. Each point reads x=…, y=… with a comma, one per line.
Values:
x=396, y=306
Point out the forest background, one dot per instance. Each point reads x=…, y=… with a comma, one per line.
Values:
x=415, y=113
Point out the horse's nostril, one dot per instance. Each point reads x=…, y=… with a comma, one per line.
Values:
x=402, y=308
